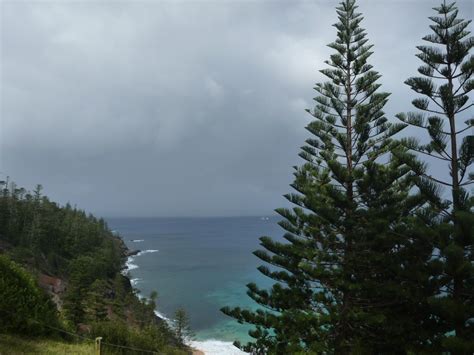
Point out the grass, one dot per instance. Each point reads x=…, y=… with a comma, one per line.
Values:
x=10, y=344
x=15, y=345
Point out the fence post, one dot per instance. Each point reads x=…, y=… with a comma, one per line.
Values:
x=98, y=347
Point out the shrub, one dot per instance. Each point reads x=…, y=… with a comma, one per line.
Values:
x=24, y=307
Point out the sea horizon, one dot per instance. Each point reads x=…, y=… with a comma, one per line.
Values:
x=107, y=218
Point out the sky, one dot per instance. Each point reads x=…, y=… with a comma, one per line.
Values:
x=178, y=108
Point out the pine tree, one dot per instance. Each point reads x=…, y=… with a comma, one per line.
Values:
x=344, y=277
x=182, y=328
x=94, y=303
x=445, y=84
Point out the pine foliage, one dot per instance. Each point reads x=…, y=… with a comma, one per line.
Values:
x=182, y=327
x=444, y=85
x=352, y=241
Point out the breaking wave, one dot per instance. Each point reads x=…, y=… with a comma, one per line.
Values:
x=129, y=264
x=216, y=347
x=147, y=252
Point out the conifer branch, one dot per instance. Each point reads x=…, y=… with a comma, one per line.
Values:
x=437, y=180
x=431, y=155
x=464, y=109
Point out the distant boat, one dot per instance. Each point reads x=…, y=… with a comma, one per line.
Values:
x=264, y=218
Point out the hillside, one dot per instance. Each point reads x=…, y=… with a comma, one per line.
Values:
x=63, y=274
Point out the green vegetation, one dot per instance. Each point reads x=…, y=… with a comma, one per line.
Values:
x=22, y=301
x=444, y=85
x=374, y=260
x=20, y=345
x=117, y=336
x=181, y=325
x=77, y=260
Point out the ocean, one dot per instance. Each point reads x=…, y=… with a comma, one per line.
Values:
x=200, y=264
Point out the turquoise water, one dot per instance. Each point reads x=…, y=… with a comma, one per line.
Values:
x=201, y=264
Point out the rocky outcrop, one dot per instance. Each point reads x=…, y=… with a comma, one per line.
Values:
x=54, y=286
x=129, y=252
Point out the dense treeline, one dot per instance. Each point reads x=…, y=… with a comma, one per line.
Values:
x=79, y=253
x=378, y=255
x=52, y=237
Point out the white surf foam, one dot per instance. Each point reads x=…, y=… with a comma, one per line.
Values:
x=216, y=347
x=130, y=265
x=162, y=316
x=209, y=347
x=135, y=281
x=147, y=251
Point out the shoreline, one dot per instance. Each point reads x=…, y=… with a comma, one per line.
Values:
x=130, y=255
x=198, y=347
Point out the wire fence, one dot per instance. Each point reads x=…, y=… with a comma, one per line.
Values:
x=99, y=345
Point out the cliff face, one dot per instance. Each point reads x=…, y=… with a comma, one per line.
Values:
x=54, y=287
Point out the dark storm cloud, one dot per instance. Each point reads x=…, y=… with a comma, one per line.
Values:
x=176, y=108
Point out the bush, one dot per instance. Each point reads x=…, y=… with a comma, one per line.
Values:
x=24, y=307
x=151, y=338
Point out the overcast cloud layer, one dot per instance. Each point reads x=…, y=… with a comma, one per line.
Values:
x=177, y=108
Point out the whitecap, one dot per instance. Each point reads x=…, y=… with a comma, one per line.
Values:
x=216, y=347
x=147, y=251
x=137, y=240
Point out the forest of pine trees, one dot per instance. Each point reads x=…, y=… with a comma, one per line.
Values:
x=40, y=237
x=378, y=255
